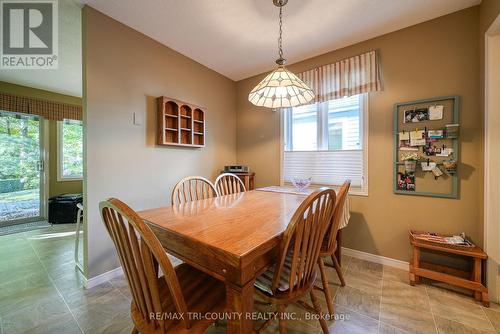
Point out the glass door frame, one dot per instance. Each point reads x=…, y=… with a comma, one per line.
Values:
x=43, y=137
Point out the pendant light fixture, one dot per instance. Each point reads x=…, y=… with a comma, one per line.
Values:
x=280, y=88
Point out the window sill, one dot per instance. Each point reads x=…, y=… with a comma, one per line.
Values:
x=352, y=192
x=65, y=179
x=362, y=193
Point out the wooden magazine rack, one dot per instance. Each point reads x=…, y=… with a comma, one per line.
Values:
x=474, y=279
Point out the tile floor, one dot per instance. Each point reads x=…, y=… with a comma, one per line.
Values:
x=41, y=292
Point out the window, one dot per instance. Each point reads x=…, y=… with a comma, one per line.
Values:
x=70, y=150
x=304, y=125
x=327, y=141
x=335, y=136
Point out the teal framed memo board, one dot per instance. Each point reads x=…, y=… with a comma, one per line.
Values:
x=427, y=147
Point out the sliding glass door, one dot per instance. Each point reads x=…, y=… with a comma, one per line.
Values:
x=21, y=168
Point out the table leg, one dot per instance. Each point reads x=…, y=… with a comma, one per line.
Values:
x=485, y=299
x=414, y=265
x=476, y=272
x=484, y=295
x=247, y=183
x=338, y=251
x=239, y=304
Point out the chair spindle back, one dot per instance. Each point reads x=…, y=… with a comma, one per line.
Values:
x=192, y=188
x=228, y=183
x=330, y=241
x=140, y=254
x=302, y=241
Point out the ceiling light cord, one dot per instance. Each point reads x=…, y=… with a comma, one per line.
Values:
x=280, y=60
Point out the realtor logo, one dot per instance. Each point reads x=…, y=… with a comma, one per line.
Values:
x=28, y=34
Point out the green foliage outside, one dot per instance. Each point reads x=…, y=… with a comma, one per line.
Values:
x=19, y=152
x=72, y=149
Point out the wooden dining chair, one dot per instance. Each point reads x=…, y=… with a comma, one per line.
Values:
x=329, y=245
x=294, y=274
x=192, y=188
x=160, y=304
x=228, y=183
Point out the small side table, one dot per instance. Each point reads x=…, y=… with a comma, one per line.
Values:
x=247, y=179
x=471, y=280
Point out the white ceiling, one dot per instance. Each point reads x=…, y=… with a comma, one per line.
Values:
x=238, y=38
x=67, y=79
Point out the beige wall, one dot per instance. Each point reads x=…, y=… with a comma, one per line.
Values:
x=124, y=72
x=435, y=58
x=55, y=187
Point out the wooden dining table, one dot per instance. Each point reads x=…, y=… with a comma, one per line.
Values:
x=233, y=238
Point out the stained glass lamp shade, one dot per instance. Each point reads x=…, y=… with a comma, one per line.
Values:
x=281, y=89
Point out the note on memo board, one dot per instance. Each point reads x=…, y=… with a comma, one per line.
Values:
x=436, y=112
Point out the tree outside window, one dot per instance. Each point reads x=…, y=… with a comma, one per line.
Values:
x=70, y=140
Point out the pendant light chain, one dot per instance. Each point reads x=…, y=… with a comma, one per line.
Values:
x=280, y=60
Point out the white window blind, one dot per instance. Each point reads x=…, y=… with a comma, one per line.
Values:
x=326, y=141
x=326, y=167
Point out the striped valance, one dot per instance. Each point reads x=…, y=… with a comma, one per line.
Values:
x=347, y=77
x=45, y=108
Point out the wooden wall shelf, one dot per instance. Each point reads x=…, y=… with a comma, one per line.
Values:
x=180, y=123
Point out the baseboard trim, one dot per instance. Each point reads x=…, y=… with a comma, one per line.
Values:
x=102, y=278
x=386, y=261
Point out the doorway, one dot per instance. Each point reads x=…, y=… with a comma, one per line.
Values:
x=21, y=169
x=492, y=158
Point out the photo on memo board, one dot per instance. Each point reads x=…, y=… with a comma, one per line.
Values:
x=416, y=115
x=406, y=181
